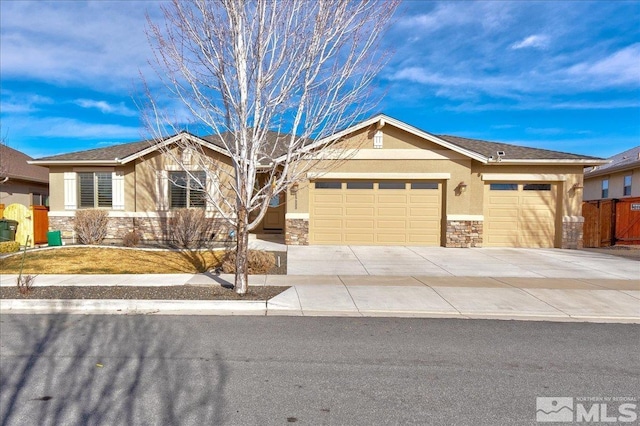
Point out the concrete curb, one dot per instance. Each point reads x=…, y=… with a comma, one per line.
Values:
x=256, y=307
x=133, y=307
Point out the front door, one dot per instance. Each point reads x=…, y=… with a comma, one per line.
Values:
x=274, y=218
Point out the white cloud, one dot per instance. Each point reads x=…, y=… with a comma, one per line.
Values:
x=488, y=15
x=535, y=41
x=106, y=108
x=463, y=85
x=63, y=127
x=552, y=131
x=13, y=103
x=97, y=44
x=619, y=68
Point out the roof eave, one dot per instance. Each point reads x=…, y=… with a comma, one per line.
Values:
x=538, y=162
x=612, y=169
x=27, y=179
x=47, y=163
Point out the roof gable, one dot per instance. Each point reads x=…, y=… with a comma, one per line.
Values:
x=483, y=151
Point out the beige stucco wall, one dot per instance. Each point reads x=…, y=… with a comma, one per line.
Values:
x=56, y=185
x=140, y=180
x=56, y=182
x=461, y=169
x=570, y=200
x=593, y=186
x=458, y=167
x=145, y=178
x=14, y=191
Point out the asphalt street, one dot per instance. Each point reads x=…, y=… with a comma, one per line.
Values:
x=201, y=370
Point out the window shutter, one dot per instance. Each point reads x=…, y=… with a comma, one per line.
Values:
x=70, y=191
x=162, y=189
x=117, y=181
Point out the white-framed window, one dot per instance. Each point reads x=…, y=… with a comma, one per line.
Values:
x=90, y=189
x=626, y=190
x=95, y=190
x=187, y=189
x=605, y=188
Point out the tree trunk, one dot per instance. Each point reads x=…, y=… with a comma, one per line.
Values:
x=242, y=253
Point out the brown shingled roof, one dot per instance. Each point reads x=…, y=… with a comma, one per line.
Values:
x=109, y=153
x=13, y=164
x=275, y=148
x=626, y=160
x=511, y=152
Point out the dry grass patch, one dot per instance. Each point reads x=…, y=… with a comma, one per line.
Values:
x=87, y=260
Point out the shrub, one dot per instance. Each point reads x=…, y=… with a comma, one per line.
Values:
x=260, y=262
x=131, y=239
x=25, y=283
x=91, y=226
x=190, y=228
x=9, y=247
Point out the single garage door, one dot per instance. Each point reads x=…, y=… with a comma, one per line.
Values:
x=520, y=215
x=375, y=212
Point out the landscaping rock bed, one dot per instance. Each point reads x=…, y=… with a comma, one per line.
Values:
x=178, y=292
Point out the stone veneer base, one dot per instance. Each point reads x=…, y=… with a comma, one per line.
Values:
x=464, y=233
x=296, y=232
x=152, y=229
x=572, y=233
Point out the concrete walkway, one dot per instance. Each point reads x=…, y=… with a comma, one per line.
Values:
x=522, y=298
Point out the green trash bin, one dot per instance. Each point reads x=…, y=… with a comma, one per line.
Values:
x=8, y=230
x=54, y=238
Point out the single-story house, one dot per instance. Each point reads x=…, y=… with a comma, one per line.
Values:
x=399, y=185
x=619, y=178
x=21, y=182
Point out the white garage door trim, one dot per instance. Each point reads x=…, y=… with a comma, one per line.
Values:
x=380, y=176
x=523, y=177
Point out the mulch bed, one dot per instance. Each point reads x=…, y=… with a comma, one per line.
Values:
x=178, y=292
x=282, y=269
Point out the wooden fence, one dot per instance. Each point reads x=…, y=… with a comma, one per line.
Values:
x=610, y=222
x=32, y=221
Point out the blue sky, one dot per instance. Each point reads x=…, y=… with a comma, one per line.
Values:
x=555, y=75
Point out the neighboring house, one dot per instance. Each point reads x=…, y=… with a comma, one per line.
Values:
x=22, y=183
x=618, y=179
x=612, y=201
x=399, y=186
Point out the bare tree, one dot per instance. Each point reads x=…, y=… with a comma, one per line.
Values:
x=269, y=79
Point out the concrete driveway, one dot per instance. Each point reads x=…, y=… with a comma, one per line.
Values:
x=447, y=262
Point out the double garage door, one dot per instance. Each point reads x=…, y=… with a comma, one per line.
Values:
x=520, y=215
x=376, y=212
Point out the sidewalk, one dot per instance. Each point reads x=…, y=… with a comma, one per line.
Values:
x=523, y=298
